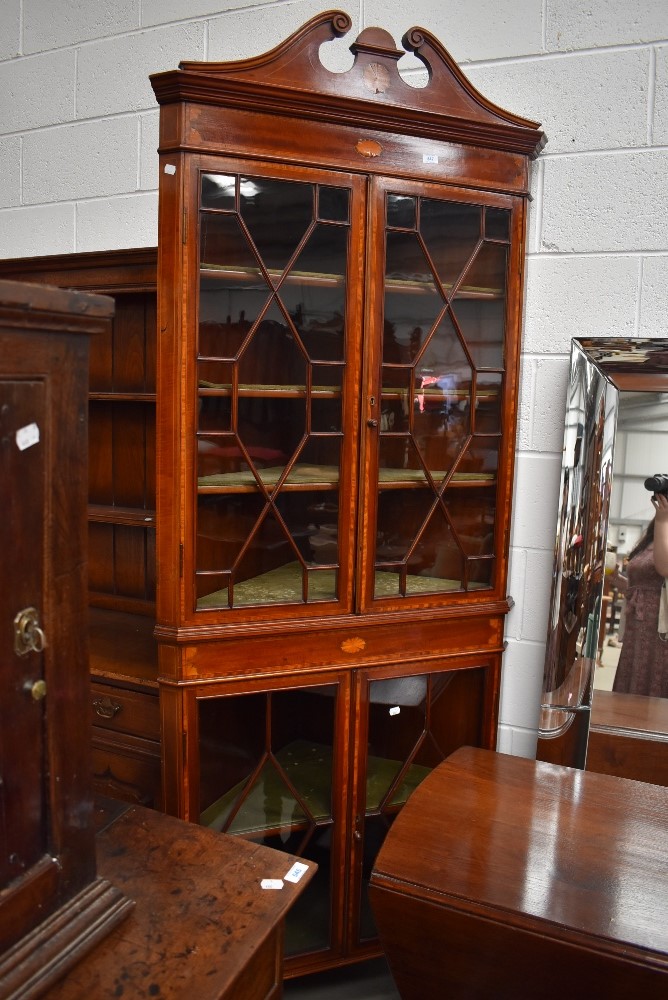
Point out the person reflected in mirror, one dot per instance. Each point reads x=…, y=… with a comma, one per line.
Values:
x=643, y=661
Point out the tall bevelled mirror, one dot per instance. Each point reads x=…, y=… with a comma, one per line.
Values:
x=600, y=695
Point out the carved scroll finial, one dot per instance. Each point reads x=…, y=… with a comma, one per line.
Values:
x=296, y=49
x=340, y=21
x=446, y=79
x=413, y=39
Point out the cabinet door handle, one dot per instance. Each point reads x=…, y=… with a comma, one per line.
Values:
x=372, y=423
x=28, y=636
x=106, y=708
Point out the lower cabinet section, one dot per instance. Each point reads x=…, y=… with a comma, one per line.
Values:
x=321, y=769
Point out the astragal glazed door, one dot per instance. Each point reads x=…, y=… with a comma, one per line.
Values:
x=277, y=374
x=436, y=376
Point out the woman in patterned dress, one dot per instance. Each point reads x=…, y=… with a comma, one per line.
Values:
x=643, y=661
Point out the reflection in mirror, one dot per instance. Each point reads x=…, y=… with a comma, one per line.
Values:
x=616, y=437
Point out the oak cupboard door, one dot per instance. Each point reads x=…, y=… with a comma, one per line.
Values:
x=53, y=905
x=120, y=511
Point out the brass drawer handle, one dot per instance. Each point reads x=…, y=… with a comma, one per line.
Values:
x=106, y=708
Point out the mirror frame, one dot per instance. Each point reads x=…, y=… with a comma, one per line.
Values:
x=600, y=368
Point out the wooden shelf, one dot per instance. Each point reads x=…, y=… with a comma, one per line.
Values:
x=308, y=767
x=284, y=586
x=249, y=276
x=263, y=391
x=311, y=476
x=123, y=397
x=413, y=286
x=216, y=389
x=110, y=514
x=430, y=392
x=327, y=478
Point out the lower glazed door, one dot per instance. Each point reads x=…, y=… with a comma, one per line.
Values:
x=272, y=769
x=407, y=723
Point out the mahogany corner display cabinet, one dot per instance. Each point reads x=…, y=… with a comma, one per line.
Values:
x=315, y=487
x=339, y=274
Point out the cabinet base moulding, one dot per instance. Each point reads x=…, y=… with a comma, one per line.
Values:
x=39, y=960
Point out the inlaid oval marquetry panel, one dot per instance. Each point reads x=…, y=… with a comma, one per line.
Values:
x=369, y=147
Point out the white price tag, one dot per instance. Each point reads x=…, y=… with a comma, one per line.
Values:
x=27, y=436
x=429, y=158
x=296, y=872
x=271, y=883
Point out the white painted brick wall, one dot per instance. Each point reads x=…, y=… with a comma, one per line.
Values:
x=10, y=28
x=242, y=33
x=10, y=170
x=112, y=75
x=52, y=24
x=79, y=161
x=660, y=119
x=37, y=91
x=606, y=201
x=594, y=100
x=78, y=134
x=654, y=314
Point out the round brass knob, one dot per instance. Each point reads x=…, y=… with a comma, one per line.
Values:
x=37, y=690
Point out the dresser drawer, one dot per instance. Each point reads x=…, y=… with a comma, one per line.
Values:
x=126, y=711
x=127, y=768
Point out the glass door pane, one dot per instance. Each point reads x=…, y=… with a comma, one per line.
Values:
x=442, y=380
x=267, y=774
x=414, y=722
x=273, y=279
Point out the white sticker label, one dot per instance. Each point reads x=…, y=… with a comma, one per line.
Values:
x=27, y=436
x=271, y=883
x=429, y=158
x=170, y=168
x=296, y=872
x=395, y=710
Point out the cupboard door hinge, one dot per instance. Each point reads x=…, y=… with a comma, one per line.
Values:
x=181, y=560
x=184, y=233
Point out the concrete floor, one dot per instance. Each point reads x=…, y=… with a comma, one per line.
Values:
x=365, y=981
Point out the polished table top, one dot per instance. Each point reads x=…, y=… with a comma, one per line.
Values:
x=202, y=916
x=573, y=854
